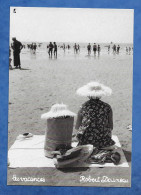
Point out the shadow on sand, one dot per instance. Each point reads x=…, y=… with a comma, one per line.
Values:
x=20, y=69
x=127, y=155
x=73, y=169
x=25, y=69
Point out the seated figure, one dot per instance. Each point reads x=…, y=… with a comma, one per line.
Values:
x=95, y=118
x=58, y=134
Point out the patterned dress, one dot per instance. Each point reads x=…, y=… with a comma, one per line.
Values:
x=96, y=123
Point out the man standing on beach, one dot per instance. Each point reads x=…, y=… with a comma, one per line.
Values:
x=78, y=47
x=114, y=49
x=129, y=50
x=126, y=50
x=108, y=49
x=98, y=49
x=75, y=48
x=55, y=49
x=94, y=48
x=64, y=47
x=118, y=47
x=89, y=49
x=17, y=47
x=50, y=49
x=34, y=47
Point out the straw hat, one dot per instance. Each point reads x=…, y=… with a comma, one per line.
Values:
x=84, y=152
x=58, y=110
x=94, y=89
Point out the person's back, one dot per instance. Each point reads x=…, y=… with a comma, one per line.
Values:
x=94, y=110
x=50, y=46
x=16, y=46
x=96, y=123
x=35, y=46
x=89, y=47
x=55, y=47
x=64, y=47
x=118, y=47
x=94, y=47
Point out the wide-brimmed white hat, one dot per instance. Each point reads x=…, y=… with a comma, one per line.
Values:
x=94, y=89
x=58, y=110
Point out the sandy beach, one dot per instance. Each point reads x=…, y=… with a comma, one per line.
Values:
x=43, y=82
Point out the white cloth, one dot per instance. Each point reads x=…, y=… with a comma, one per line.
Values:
x=29, y=152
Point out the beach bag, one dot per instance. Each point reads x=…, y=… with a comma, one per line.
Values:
x=104, y=156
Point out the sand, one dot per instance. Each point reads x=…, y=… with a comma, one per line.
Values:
x=42, y=82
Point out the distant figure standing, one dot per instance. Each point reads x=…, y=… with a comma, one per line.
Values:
x=94, y=48
x=89, y=49
x=75, y=48
x=114, y=49
x=50, y=49
x=17, y=47
x=118, y=48
x=98, y=49
x=108, y=48
x=129, y=50
x=78, y=48
x=64, y=47
x=34, y=47
x=55, y=49
x=126, y=50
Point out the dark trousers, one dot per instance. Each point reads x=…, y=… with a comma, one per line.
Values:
x=55, y=53
x=50, y=53
x=17, y=61
x=89, y=51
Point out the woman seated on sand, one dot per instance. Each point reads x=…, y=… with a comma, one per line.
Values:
x=95, y=118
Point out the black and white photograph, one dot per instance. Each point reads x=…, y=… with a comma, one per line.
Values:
x=70, y=97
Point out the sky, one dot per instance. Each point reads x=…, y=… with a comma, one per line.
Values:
x=71, y=25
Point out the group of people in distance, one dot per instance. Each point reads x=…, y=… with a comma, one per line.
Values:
x=17, y=46
x=52, y=48
x=116, y=49
x=32, y=46
x=76, y=48
x=96, y=48
x=128, y=50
